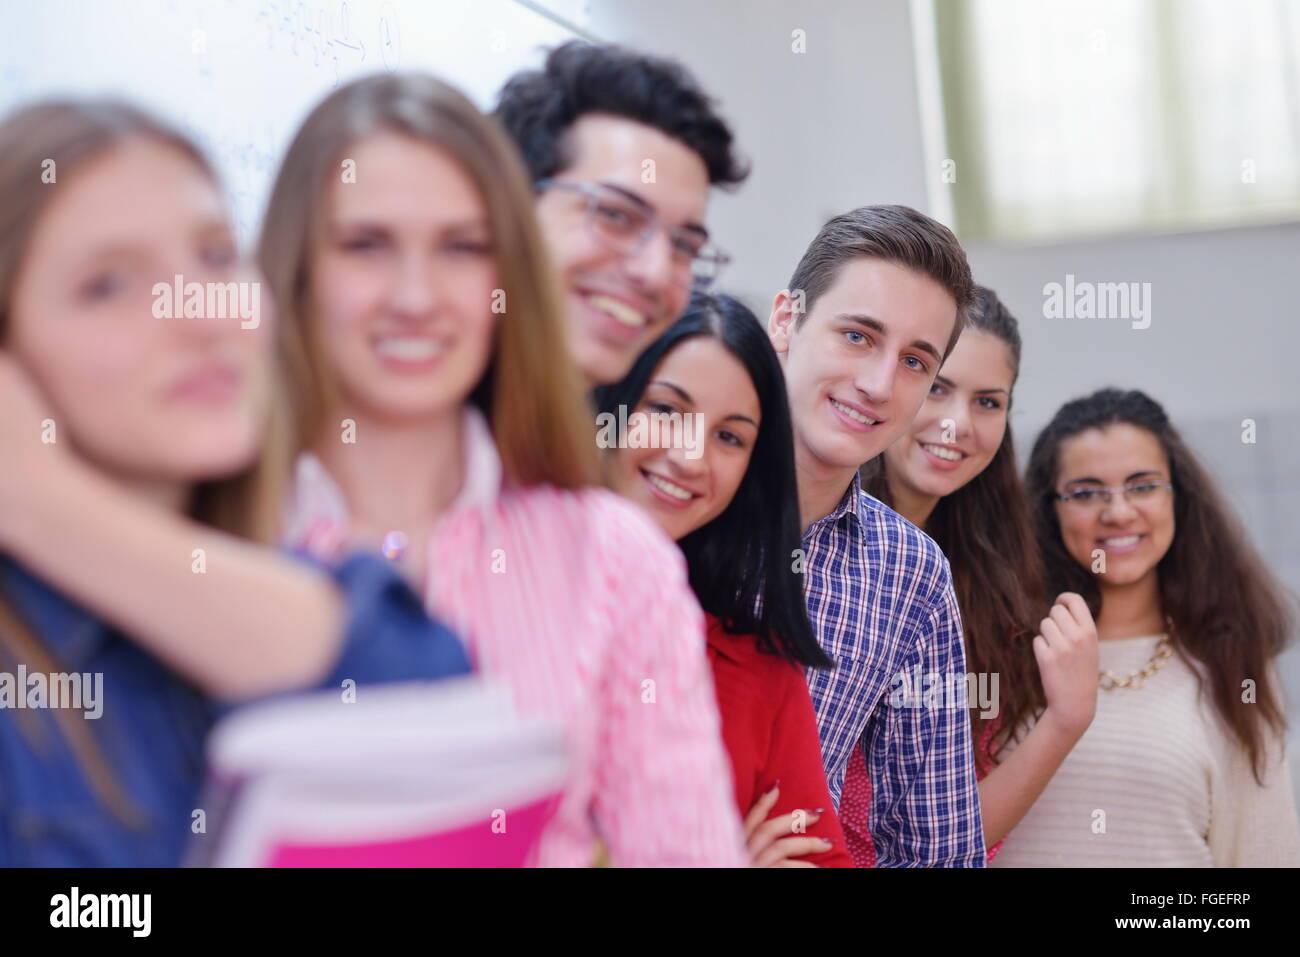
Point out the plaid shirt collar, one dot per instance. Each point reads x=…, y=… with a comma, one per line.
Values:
x=850, y=504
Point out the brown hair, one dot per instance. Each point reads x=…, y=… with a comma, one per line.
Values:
x=1225, y=608
x=74, y=133
x=986, y=530
x=531, y=393
x=896, y=234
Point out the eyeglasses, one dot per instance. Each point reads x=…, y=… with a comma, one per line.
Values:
x=622, y=224
x=1095, y=497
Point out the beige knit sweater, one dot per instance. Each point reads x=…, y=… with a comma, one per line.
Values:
x=1156, y=782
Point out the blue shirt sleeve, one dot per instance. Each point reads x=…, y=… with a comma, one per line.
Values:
x=926, y=811
x=388, y=635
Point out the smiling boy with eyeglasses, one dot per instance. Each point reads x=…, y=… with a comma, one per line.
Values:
x=623, y=149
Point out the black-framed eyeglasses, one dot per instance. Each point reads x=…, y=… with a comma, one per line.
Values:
x=1096, y=496
x=624, y=225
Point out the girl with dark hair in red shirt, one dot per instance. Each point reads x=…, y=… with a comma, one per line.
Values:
x=723, y=486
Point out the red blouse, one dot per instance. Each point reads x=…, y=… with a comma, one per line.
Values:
x=770, y=732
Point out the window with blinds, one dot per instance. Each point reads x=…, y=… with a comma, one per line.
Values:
x=1065, y=118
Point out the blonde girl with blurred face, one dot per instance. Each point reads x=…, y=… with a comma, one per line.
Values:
x=440, y=421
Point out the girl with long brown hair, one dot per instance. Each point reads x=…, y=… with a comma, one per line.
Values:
x=142, y=453
x=954, y=475
x=440, y=420
x=1185, y=762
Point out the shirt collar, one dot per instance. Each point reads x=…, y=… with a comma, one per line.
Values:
x=738, y=649
x=850, y=504
x=71, y=633
x=482, y=463
x=318, y=500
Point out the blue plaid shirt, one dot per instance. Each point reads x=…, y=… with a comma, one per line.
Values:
x=881, y=601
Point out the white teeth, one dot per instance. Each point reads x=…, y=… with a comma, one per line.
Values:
x=853, y=414
x=1124, y=542
x=618, y=311
x=409, y=349
x=676, y=491
x=951, y=455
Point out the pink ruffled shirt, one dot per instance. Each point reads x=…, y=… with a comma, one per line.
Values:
x=582, y=605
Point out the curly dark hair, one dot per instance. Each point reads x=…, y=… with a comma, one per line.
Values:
x=537, y=107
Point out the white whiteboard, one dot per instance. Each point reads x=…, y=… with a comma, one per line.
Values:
x=240, y=75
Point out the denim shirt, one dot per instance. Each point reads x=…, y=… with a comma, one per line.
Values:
x=153, y=724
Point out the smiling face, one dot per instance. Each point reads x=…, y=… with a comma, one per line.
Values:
x=683, y=493
x=148, y=400
x=618, y=302
x=403, y=280
x=862, y=362
x=1133, y=535
x=961, y=423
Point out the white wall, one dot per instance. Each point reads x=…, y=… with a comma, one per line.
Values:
x=829, y=129
x=240, y=75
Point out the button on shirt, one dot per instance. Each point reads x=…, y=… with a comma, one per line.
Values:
x=881, y=601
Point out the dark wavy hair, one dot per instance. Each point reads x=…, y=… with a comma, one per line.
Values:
x=747, y=552
x=986, y=530
x=537, y=107
x=1227, y=611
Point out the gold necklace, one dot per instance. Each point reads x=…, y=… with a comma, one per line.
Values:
x=1108, y=681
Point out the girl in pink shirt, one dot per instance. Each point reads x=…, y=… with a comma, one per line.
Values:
x=440, y=421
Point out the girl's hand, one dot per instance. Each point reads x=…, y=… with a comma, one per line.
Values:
x=1066, y=650
x=770, y=842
